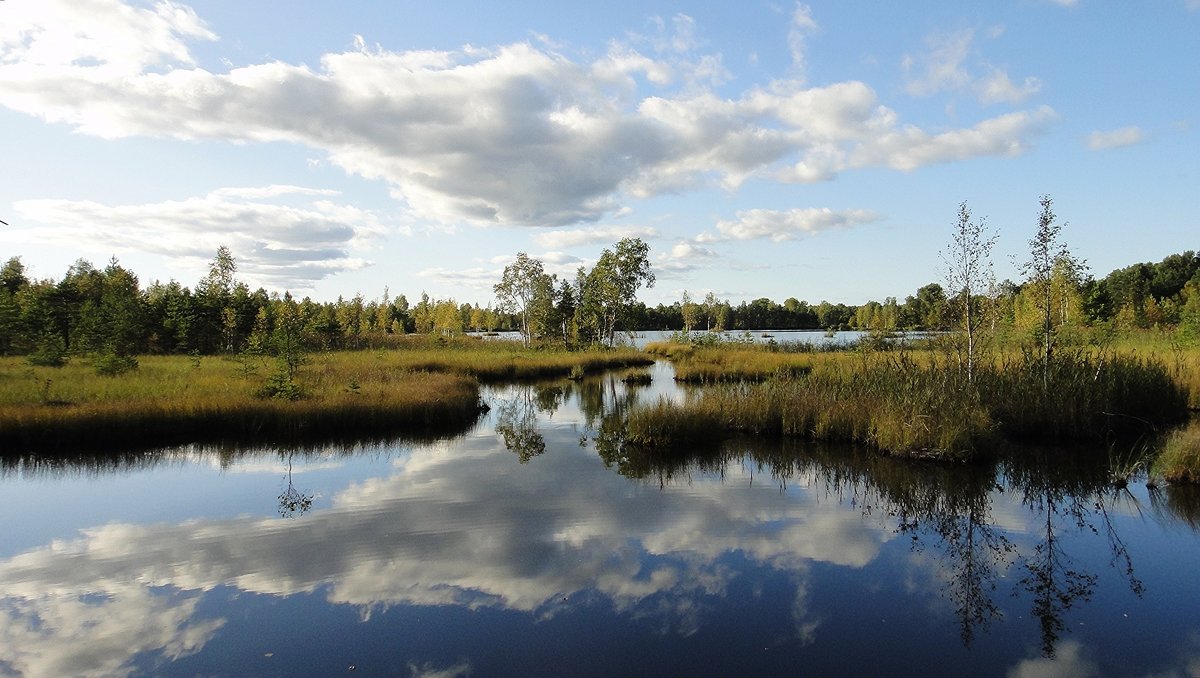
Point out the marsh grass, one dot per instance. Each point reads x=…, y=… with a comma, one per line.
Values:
x=1182, y=361
x=175, y=399
x=712, y=364
x=921, y=404
x=667, y=423
x=1180, y=458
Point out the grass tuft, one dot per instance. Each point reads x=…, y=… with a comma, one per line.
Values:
x=1180, y=458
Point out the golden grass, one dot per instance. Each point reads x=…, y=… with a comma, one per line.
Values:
x=170, y=399
x=730, y=362
x=921, y=403
x=1183, y=362
x=1180, y=458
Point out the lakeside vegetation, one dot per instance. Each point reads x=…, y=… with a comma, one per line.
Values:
x=921, y=403
x=1059, y=357
x=417, y=385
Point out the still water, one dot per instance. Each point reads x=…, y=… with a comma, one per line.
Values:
x=536, y=544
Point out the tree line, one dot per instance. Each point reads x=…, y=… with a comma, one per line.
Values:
x=106, y=312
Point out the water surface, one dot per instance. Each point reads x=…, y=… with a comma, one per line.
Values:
x=536, y=544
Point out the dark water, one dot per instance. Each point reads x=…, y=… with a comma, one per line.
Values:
x=535, y=544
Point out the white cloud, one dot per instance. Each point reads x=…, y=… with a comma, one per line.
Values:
x=516, y=134
x=109, y=36
x=941, y=67
x=1117, y=138
x=801, y=27
x=468, y=278
x=275, y=245
x=997, y=88
x=911, y=148
x=564, y=239
x=684, y=256
x=779, y=225
x=944, y=68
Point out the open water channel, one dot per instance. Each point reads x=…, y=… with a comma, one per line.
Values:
x=535, y=544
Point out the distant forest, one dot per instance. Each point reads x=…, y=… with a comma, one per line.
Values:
x=107, y=311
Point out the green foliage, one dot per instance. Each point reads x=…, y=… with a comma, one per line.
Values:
x=50, y=352
x=527, y=290
x=113, y=364
x=281, y=385
x=608, y=291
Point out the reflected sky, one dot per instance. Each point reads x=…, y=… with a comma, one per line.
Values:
x=467, y=555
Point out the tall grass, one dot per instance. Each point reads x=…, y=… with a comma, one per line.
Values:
x=1180, y=458
x=1183, y=362
x=710, y=364
x=923, y=405
x=423, y=386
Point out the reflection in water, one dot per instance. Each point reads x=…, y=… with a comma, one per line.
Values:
x=517, y=418
x=784, y=538
x=949, y=505
x=293, y=502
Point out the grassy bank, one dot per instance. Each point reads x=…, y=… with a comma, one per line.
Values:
x=922, y=404
x=419, y=387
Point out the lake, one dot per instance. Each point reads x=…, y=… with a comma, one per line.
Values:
x=535, y=543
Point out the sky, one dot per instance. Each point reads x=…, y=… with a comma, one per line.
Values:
x=761, y=149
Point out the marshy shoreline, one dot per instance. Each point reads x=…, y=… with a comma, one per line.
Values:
x=906, y=401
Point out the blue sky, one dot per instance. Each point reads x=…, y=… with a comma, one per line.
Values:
x=816, y=151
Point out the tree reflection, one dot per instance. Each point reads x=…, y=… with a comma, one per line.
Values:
x=293, y=502
x=945, y=510
x=517, y=418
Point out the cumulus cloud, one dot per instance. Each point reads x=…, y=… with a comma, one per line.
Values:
x=781, y=225
x=684, y=256
x=948, y=65
x=514, y=134
x=280, y=243
x=1117, y=138
x=109, y=36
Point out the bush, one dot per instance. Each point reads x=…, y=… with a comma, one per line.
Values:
x=112, y=364
x=50, y=352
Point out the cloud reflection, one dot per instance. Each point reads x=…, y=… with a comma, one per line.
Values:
x=458, y=523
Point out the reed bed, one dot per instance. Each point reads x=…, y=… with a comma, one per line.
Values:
x=922, y=405
x=1182, y=361
x=1180, y=458
x=712, y=364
